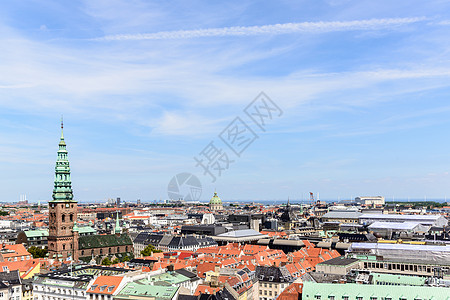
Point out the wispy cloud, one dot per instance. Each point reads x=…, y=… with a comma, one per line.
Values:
x=275, y=29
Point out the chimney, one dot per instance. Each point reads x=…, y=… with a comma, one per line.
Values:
x=170, y=268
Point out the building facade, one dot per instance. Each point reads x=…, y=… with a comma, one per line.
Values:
x=215, y=203
x=371, y=200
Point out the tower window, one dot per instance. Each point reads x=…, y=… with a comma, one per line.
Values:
x=64, y=247
x=71, y=218
x=63, y=218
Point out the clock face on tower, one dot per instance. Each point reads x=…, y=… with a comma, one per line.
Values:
x=67, y=205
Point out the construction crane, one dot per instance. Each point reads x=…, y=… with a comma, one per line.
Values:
x=311, y=199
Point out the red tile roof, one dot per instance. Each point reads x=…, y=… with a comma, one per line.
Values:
x=105, y=285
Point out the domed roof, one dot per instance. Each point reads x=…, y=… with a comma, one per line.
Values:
x=215, y=199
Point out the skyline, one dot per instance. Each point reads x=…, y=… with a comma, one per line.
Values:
x=145, y=86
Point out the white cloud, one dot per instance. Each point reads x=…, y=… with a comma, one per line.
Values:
x=276, y=29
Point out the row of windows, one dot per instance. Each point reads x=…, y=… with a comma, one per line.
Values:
x=396, y=266
x=101, y=251
x=16, y=258
x=270, y=293
x=60, y=291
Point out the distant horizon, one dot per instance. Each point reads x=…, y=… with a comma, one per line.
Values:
x=277, y=201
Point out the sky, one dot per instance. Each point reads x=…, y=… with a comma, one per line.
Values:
x=356, y=98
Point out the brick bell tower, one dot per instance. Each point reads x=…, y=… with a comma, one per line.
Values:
x=63, y=232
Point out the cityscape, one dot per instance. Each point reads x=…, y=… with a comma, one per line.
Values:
x=243, y=150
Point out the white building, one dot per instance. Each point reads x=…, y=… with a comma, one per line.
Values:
x=371, y=200
x=208, y=219
x=427, y=220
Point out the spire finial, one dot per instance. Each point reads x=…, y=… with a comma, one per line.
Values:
x=117, y=229
x=62, y=127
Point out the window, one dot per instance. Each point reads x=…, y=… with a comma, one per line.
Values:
x=317, y=297
x=359, y=298
x=331, y=297
x=344, y=297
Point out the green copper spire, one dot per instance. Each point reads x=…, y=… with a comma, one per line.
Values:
x=63, y=186
x=117, y=230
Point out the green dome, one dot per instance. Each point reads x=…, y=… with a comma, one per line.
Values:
x=215, y=199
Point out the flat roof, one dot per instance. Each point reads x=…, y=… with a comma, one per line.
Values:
x=339, y=261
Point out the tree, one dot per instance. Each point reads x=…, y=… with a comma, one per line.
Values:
x=126, y=258
x=38, y=252
x=115, y=261
x=148, y=250
x=106, y=261
x=3, y=213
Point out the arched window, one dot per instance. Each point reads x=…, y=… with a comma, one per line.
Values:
x=71, y=217
x=63, y=218
x=64, y=247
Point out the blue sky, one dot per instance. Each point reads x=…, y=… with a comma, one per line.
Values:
x=144, y=86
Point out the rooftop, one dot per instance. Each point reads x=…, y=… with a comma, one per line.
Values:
x=339, y=261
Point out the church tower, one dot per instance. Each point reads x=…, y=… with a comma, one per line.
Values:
x=62, y=238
